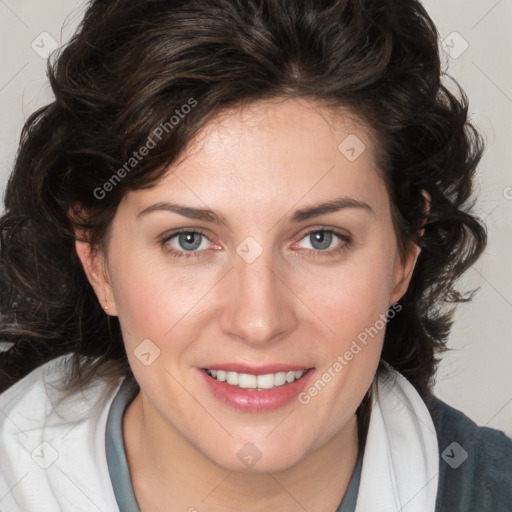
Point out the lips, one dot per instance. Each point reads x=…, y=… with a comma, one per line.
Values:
x=250, y=397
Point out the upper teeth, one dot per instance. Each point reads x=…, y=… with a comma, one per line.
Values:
x=248, y=381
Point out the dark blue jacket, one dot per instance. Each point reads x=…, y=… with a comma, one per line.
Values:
x=483, y=481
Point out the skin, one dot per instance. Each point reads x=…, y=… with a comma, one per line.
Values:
x=255, y=166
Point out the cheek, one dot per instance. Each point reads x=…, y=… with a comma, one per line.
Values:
x=352, y=302
x=154, y=302
x=351, y=297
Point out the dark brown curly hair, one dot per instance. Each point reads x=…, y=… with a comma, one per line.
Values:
x=131, y=65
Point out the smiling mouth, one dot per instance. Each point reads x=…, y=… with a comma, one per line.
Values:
x=256, y=382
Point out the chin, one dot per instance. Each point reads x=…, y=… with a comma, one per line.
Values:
x=248, y=457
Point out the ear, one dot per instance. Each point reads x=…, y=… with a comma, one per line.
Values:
x=94, y=263
x=404, y=268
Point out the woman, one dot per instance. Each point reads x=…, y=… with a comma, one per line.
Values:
x=228, y=254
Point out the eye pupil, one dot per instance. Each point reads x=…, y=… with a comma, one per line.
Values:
x=321, y=239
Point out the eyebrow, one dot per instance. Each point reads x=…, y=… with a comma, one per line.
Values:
x=300, y=215
x=335, y=205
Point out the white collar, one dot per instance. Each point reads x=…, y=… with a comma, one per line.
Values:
x=401, y=458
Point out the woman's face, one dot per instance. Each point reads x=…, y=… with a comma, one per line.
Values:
x=265, y=279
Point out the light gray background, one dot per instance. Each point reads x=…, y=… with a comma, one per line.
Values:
x=476, y=377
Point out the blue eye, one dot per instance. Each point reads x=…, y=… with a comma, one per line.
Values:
x=189, y=241
x=186, y=244
x=321, y=240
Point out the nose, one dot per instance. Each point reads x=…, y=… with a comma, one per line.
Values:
x=259, y=307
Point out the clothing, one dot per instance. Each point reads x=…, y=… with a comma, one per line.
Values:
x=53, y=455
x=115, y=450
x=484, y=481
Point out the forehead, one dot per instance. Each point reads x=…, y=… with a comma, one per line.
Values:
x=275, y=151
x=279, y=124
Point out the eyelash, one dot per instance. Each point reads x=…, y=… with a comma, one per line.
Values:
x=314, y=252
